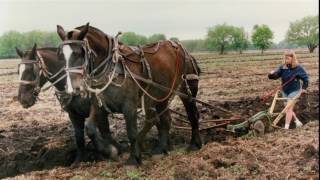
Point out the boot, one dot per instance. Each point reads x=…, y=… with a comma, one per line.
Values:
x=298, y=123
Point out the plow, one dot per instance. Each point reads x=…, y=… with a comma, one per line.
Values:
x=256, y=125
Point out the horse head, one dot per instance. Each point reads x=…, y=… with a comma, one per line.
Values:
x=30, y=79
x=83, y=49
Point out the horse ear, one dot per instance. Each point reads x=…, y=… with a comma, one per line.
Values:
x=19, y=52
x=62, y=34
x=83, y=32
x=34, y=49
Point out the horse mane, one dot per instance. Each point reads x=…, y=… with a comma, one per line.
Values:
x=91, y=28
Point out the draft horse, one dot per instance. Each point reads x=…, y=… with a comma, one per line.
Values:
x=116, y=76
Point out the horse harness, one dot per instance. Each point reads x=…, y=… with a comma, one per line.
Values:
x=114, y=65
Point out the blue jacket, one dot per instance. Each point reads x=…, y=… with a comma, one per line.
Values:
x=286, y=73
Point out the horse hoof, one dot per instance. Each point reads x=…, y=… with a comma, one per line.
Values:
x=193, y=148
x=114, y=154
x=75, y=164
x=90, y=146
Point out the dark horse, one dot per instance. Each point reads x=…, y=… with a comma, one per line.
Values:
x=41, y=65
x=116, y=76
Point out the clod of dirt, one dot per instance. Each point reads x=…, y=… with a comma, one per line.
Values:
x=315, y=167
x=310, y=151
x=241, y=178
x=218, y=163
x=2, y=136
x=15, y=98
x=253, y=168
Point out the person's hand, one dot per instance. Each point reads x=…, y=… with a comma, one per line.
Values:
x=271, y=72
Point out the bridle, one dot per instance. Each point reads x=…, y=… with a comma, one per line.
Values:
x=88, y=54
x=39, y=68
x=86, y=69
x=36, y=67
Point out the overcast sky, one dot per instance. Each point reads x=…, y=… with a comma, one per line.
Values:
x=185, y=19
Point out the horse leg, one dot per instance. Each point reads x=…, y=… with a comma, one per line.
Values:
x=136, y=140
x=112, y=147
x=130, y=116
x=193, y=114
x=163, y=127
x=91, y=129
x=78, y=125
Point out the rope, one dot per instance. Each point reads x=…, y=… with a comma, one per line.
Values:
x=54, y=83
x=97, y=91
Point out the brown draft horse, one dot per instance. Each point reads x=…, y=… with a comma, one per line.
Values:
x=96, y=60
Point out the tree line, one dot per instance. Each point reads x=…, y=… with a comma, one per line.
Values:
x=12, y=39
x=220, y=38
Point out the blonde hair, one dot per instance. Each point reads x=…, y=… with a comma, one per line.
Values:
x=292, y=54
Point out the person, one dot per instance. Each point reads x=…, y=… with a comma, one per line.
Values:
x=291, y=72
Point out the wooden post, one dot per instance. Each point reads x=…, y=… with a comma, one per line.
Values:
x=289, y=105
x=273, y=102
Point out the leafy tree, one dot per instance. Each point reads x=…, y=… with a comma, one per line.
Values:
x=12, y=39
x=219, y=37
x=261, y=37
x=240, y=40
x=8, y=42
x=133, y=39
x=304, y=32
x=156, y=37
x=42, y=38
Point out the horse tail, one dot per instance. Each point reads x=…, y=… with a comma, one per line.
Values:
x=187, y=55
x=196, y=65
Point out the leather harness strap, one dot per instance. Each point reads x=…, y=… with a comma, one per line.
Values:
x=43, y=70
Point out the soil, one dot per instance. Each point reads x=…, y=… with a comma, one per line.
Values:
x=38, y=143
